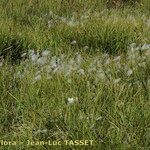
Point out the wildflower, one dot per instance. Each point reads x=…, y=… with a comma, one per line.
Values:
x=72, y=100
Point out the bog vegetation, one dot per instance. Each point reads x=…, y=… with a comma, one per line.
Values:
x=74, y=70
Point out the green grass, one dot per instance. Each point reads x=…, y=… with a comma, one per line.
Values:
x=94, y=84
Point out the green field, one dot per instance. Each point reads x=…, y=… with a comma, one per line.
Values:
x=75, y=72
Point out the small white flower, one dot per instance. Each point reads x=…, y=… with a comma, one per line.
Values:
x=71, y=100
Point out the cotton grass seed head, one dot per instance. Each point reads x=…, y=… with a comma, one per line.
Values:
x=41, y=61
x=129, y=72
x=45, y=53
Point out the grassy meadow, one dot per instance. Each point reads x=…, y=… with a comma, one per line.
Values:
x=74, y=70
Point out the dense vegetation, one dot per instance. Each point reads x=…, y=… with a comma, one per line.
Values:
x=74, y=70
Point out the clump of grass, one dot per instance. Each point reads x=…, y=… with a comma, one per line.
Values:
x=110, y=35
x=12, y=48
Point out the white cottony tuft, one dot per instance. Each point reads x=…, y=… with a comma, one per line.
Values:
x=145, y=47
x=34, y=57
x=129, y=72
x=45, y=53
x=41, y=61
